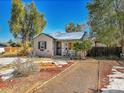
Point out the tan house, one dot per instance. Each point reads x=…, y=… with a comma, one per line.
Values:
x=55, y=44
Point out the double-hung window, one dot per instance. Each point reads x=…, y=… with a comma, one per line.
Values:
x=42, y=45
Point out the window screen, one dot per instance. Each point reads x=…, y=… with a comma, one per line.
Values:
x=42, y=45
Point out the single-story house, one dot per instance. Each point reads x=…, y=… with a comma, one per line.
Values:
x=56, y=43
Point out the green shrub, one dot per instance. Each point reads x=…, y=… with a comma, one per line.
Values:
x=82, y=47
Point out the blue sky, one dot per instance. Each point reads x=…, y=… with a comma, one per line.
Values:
x=57, y=13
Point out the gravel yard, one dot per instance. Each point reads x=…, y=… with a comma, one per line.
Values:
x=105, y=69
x=111, y=77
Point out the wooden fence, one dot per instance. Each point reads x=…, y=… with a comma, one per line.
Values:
x=104, y=51
x=12, y=49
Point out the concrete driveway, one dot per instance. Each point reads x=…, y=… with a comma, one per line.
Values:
x=77, y=79
x=10, y=60
x=5, y=61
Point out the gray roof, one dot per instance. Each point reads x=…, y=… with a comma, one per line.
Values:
x=66, y=36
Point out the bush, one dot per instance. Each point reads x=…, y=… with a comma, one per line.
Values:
x=82, y=47
x=24, y=68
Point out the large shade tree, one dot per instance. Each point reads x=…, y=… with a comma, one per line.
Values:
x=80, y=27
x=71, y=27
x=25, y=21
x=107, y=21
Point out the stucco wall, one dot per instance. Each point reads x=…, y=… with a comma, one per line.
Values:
x=49, y=51
x=64, y=48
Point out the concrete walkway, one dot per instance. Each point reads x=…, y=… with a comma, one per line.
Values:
x=77, y=79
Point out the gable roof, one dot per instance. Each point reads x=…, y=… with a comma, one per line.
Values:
x=66, y=36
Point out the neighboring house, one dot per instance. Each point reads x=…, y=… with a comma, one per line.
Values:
x=98, y=44
x=2, y=46
x=56, y=43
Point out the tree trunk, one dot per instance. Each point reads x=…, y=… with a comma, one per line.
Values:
x=25, y=46
x=83, y=55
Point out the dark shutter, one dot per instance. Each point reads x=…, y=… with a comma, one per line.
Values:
x=38, y=45
x=45, y=44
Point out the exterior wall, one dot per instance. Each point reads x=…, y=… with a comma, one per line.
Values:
x=54, y=42
x=49, y=51
x=64, y=48
x=50, y=47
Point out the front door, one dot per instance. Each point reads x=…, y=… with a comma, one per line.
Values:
x=58, y=48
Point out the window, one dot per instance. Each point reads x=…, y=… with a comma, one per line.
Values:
x=42, y=45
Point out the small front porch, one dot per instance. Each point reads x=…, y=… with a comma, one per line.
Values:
x=63, y=48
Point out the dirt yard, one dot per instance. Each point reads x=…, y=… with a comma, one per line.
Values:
x=81, y=78
x=24, y=84
x=77, y=79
